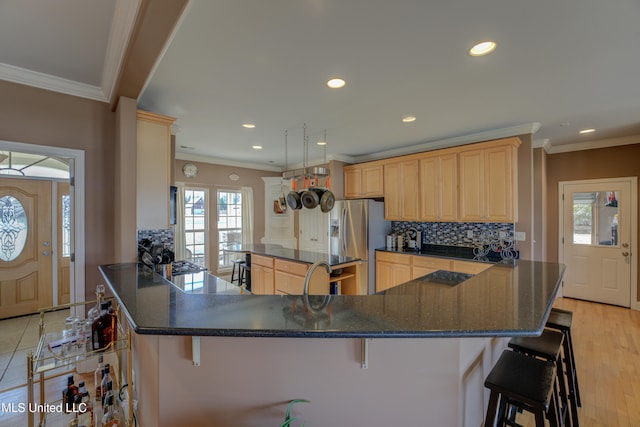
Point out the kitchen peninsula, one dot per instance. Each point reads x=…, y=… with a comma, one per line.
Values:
x=258, y=352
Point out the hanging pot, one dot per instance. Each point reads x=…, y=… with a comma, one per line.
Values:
x=293, y=200
x=327, y=201
x=311, y=198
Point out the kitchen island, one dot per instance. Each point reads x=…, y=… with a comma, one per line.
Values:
x=257, y=352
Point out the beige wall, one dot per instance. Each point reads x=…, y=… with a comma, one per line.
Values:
x=216, y=177
x=611, y=162
x=36, y=116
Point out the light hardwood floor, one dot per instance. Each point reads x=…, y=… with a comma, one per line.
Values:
x=606, y=342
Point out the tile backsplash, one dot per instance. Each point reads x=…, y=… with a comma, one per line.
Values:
x=158, y=237
x=456, y=233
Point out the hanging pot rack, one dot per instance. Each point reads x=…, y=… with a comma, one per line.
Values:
x=305, y=171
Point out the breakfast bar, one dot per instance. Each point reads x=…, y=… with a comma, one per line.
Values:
x=429, y=342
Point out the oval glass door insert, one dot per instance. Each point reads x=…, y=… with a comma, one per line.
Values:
x=13, y=228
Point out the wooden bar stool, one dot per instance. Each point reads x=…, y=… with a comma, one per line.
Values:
x=525, y=383
x=548, y=346
x=561, y=320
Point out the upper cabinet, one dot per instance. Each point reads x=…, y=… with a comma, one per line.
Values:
x=471, y=183
x=364, y=180
x=153, y=170
x=401, y=182
x=488, y=182
x=439, y=187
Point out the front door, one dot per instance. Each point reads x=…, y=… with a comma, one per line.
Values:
x=596, y=239
x=25, y=246
x=63, y=206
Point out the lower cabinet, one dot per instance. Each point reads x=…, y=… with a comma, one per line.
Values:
x=469, y=267
x=262, y=277
x=391, y=270
x=423, y=265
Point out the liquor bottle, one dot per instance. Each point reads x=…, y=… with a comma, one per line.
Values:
x=97, y=379
x=111, y=417
x=107, y=382
x=68, y=394
x=85, y=417
x=104, y=329
x=95, y=312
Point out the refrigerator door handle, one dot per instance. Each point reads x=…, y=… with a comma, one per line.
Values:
x=345, y=231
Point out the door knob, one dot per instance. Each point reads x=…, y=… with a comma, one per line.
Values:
x=45, y=244
x=625, y=253
x=625, y=245
x=45, y=253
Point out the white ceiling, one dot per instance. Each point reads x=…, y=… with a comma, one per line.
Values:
x=560, y=66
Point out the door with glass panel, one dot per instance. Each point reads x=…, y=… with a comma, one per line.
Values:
x=63, y=206
x=596, y=240
x=25, y=246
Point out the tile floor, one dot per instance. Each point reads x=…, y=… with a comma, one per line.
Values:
x=19, y=336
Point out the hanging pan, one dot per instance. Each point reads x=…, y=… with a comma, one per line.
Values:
x=293, y=198
x=328, y=199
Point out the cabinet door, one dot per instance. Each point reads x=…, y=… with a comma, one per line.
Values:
x=448, y=187
x=313, y=230
x=421, y=265
x=389, y=275
x=373, y=181
x=393, y=191
x=409, y=183
x=429, y=189
x=261, y=280
x=352, y=182
x=469, y=267
x=472, y=185
x=499, y=184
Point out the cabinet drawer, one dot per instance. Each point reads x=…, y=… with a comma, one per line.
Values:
x=297, y=268
x=393, y=258
x=264, y=261
x=430, y=262
x=288, y=283
x=469, y=267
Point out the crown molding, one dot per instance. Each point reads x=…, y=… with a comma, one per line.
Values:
x=524, y=129
x=48, y=82
x=122, y=25
x=226, y=162
x=592, y=145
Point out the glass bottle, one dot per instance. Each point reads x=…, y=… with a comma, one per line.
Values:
x=97, y=379
x=68, y=394
x=85, y=417
x=110, y=417
x=106, y=384
x=104, y=329
x=95, y=312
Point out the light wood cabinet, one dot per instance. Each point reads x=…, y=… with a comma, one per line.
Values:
x=364, y=180
x=289, y=278
x=153, y=170
x=262, y=275
x=488, y=183
x=391, y=270
x=439, y=187
x=469, y=267
x=423, y=265
x=401, y=181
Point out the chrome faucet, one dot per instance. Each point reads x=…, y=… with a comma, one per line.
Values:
x=310, y=271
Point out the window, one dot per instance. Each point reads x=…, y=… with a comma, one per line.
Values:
x=229, y=225
x=195, y=225
x=595, y=218
x=66, y=225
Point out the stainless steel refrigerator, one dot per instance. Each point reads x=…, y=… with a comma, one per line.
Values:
x=356, y=229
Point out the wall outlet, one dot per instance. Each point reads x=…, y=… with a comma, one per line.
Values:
x=521, y=236
x=470, y=234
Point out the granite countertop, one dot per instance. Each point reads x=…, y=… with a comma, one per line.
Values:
x=501, y=301
x=278, y=251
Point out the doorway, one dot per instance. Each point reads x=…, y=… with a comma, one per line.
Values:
x=75, y=244
x=598, y=220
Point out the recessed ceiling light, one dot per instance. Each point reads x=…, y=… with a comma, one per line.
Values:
x=336, y=83
x=321, y=142
x=587, y=131
x=257, y=147
x=482, y=48
x=248, y=125
x=408, y=119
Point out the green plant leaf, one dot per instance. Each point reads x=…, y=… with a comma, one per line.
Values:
x=287, y=418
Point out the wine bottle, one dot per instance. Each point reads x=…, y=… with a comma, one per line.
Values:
x=97, y=379
x=85, y=417
x=68, y=395
x=111, y=417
